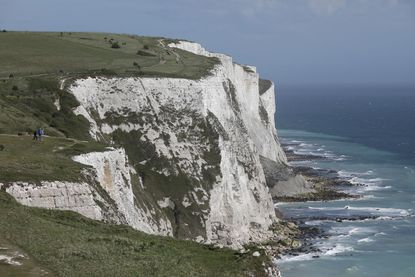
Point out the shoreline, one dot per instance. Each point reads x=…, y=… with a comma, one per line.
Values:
x=328, y=186
x=326, y=183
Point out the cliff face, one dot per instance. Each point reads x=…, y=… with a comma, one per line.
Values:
x=188, y=158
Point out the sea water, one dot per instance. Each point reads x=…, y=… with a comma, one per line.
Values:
x=368, y=136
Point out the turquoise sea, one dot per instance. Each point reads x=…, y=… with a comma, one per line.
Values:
x=368, y=136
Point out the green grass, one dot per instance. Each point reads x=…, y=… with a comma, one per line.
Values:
x=70, y=245
x=37, y=53
x=22, y=159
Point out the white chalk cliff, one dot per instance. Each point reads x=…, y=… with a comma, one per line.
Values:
x=187, y=159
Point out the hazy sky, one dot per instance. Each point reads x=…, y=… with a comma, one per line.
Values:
x=290, y=41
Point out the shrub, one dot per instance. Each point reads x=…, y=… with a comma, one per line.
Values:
x=146, y=47
x=144, y=53
x=115, y=45
x=15, y=88
x=4, y=30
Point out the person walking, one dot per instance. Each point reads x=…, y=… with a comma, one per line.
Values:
x=35, y=135
x=40, y=134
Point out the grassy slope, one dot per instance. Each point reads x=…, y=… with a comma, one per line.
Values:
x=22, y=159
x=34, y=53
x=29, y=103
x=71, y=245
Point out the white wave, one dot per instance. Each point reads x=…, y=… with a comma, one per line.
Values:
x=314, y=222
x=303, y=144
x=326, y=252
x=369, y=196
x=348, y=231
x=365, y=240
x=353, y=268
x=340, y=159
x=367, y=188
x=365, y=181
x=380, y=234
x=371, y=210
x=349, y=174
x=310, y=152
x=338, y=249
x=369, y=184
x=386, y=211
x=300, y=257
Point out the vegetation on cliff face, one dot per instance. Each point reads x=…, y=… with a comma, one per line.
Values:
x=187, y=220
x=68, y=244
x=30, y=103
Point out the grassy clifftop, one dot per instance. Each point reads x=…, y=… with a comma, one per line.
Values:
x=32, y=63
x=41, y=53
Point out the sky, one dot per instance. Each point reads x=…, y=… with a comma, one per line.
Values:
x=292, y=42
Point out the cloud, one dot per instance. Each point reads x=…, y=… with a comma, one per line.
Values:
x=326, y=7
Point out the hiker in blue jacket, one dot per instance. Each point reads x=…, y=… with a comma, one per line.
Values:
x=40, y=134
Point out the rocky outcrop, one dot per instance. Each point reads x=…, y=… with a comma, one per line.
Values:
x=283, y=181
x=107, y=194
x=113, y=174
x=78, y=197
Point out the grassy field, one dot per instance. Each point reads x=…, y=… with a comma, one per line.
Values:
x=41, y=53
x=23, y=159
x=68, y=244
